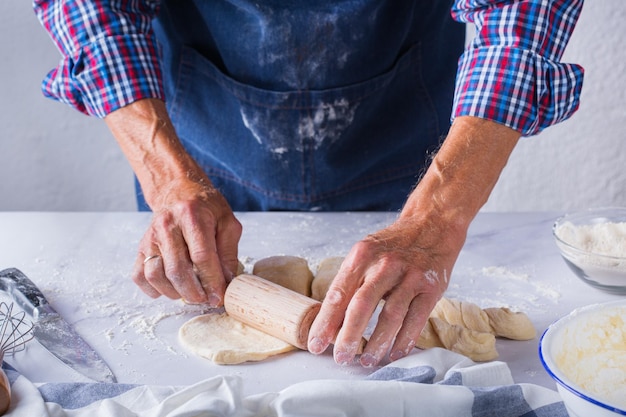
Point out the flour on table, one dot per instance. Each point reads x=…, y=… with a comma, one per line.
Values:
x=226, y=341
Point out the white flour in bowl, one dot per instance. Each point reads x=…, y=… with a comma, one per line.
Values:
x=607, y=239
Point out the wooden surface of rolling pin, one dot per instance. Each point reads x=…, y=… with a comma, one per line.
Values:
x=272, y=309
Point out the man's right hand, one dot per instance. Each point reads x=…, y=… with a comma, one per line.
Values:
x=190, y=248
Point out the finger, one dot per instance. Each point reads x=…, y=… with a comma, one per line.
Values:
x=357, y=317
x=213, y=253
x=328, y=321
x=155, y=276
x=140, y=279
x=414, y=322
x=177, y=264
x=389, y=322
x=227, y=240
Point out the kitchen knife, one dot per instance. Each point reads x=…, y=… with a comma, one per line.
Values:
x=51, y=330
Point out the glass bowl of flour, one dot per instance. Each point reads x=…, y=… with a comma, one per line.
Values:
x=585, y=353
x=593, y=245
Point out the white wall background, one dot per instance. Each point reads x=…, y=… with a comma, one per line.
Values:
x=53, y=158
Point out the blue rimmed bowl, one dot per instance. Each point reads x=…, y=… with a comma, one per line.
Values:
x=574, y=352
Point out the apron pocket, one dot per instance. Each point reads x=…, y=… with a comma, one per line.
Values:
x=337, y=148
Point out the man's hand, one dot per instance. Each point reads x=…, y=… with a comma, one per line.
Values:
x=190, y=248
x=409, y=263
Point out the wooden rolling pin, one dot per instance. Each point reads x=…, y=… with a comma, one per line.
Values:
x=271, y=308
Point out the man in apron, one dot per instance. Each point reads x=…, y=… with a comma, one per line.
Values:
x=326, y=105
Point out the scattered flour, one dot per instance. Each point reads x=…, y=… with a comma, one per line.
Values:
x=499, y=286
x=541, y=288
x=502, y=272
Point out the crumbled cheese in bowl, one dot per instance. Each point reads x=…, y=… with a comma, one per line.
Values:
x=592, y=353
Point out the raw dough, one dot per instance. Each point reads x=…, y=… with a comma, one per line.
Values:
x=509, y=324
x=467, y=329
x=501, y=322
x=477, y=346
x=287, y=271
x=464, y=314
x=226, y=341
x=326, y=272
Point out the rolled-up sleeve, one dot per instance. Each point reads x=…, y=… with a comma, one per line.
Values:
x=511, y=71
x=109, y=53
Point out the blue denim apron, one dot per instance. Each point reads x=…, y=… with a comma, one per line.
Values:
x=310, y=105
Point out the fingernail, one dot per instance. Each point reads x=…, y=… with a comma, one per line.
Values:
x=214, y=300
x=316, y=346
x=343, y=358
x=368, y=360
x=397, y=354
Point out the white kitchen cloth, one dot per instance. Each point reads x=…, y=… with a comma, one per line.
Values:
x=431, y=383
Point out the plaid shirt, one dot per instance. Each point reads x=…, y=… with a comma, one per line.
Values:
x=510, y=72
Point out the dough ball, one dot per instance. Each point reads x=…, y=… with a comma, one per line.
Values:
x=287, y=271
x=326, y=272
x=226, y=341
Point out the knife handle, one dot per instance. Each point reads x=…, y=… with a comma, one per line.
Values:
x=25, y=293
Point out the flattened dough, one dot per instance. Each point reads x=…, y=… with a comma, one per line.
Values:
x=226, y=341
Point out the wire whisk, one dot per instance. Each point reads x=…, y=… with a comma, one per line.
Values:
x=15, y=330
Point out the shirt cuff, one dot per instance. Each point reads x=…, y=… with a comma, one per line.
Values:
x=517, y=88
x=106, y=75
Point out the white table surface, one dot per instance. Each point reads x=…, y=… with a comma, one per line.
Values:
x=81, y=262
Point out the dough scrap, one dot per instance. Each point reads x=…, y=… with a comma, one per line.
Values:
x=287, y=271
x=226, y=341
x=326, y=272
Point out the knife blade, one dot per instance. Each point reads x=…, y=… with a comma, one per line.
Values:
x=51, y=330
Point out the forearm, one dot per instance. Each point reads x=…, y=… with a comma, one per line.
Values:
x=148, y=139
x=463, y=173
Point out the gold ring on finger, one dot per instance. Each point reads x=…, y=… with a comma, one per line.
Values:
x=149, y=258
